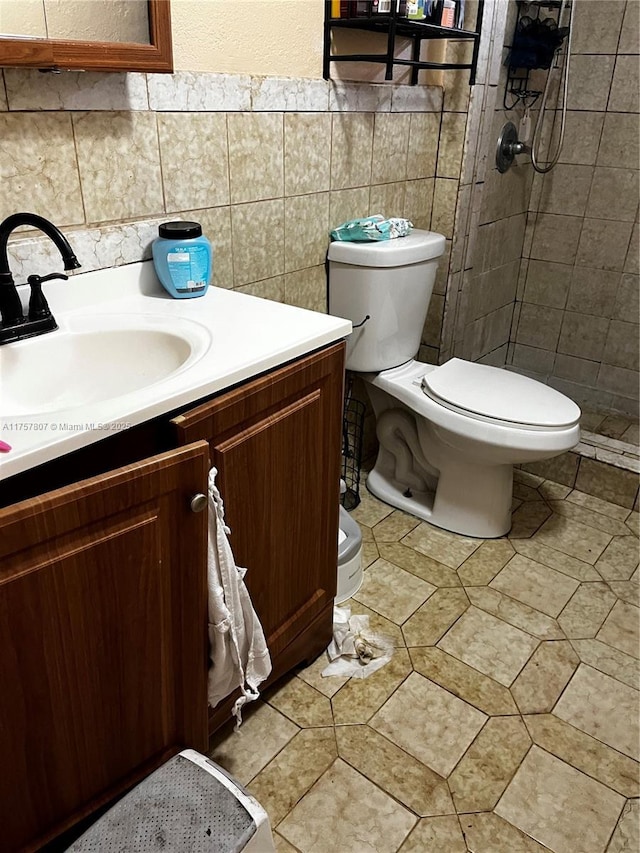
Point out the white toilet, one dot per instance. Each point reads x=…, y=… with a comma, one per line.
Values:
x=448, y=435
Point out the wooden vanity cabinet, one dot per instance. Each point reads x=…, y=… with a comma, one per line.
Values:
x=103, y=644
x=103, y=586
x=275, y=442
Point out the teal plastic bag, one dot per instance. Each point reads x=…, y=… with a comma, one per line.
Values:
x=371, y=228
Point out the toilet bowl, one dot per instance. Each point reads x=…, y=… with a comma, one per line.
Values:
x=448, y=435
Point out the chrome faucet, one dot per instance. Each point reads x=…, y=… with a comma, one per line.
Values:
x=14, y=326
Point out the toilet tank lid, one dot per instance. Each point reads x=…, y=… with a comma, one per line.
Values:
x=500, y=394
x=416, y=246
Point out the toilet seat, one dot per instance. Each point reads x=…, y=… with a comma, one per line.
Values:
x=494, y=394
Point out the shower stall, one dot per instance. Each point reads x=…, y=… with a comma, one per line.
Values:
x=543, y=277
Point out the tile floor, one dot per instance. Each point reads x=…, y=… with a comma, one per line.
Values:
x=507, y=719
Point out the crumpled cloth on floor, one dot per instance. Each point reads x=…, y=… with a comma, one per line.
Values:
x=355, y=650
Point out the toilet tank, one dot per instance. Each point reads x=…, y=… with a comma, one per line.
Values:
x=390, y=282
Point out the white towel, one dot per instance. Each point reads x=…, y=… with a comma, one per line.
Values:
x=238, y=649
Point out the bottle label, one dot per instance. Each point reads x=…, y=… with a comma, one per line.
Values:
x=189, y=268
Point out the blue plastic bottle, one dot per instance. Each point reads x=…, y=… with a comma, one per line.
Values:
x=182, y=257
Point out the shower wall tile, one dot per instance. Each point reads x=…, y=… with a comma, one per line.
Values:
x=351, y=150
x=621, y=348
x=593, y=291
x=444, y=206
x=627, y=303
x=589, y=82
x=390, y=146
x=307, y=156
x=565, y=190
x=556, y=238
x=630, y=35
x=119, y=162
x=38, y=168
x=596, y=26
x=619, y=380
x=614, y=194
x=306, y=230
x=625, y=88
x=620, y=142
x=604, y=244
x=256, y=169
x=547, y=283
x=189, y=137
x=576, y=369
x=539, y=326
x=3, y=97
x=216, y=224
x=583, y=335
x=534, y=360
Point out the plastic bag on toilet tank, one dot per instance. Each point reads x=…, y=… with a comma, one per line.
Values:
x=355, y=650
x=370, y=228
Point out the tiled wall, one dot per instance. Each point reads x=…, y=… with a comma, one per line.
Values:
x=578, y=302
x=268, y=165
x=490, y=218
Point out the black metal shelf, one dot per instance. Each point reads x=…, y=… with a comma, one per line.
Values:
x=400, y=27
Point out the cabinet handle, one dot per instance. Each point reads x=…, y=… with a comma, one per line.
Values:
x=198, y=502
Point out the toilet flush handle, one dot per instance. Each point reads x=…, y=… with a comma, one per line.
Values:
x=357, y=325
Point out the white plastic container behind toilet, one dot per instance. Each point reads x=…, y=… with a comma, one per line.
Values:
x=349, y=557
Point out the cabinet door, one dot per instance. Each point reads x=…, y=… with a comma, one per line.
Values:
x=103, y=640
x=276, y=444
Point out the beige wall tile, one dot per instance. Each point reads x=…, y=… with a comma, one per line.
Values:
x=258, y=240
x=452, y=132
x=539, y=326
x=556, y=238
x=256, y=168
x=423, y=145
x=38, y=169
x=216, y=225
x=193, y=153
x=630, y=35
x=576, y=369
x=418, y=202
x=307, y=289
x=583, y=335
x=306, y=235
x=627, y=297
x=621, y=381
x=307, y=154
x=589, y=82
x=621, y=348
x=119, y=164
x=625, y=87
x=390, y=145
x=597, y=26
x=351, y=149
x=614, y=194
x=603, y=244
x=565, y=190
x=387, y=199
x=444, y=206
x=593, y=291
x=547, y=283
x=348, y=204
x=270, y=288
x=620, y=142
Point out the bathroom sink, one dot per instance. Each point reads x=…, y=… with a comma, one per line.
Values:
x=91, y=359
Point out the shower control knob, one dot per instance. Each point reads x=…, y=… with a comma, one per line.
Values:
x=508, y=147
x=198, y=502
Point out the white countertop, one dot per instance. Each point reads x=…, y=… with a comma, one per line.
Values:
x=247, y=335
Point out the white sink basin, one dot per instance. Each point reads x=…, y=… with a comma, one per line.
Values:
x=91, y=359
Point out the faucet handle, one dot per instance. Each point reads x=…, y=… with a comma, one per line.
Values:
x=38, y=306
x=36, y=280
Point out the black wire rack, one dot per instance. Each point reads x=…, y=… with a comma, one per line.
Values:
x=352, y=433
